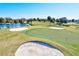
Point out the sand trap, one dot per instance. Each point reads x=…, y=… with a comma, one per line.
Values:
x=18, y=29
x=34, y=49
x=55, y=28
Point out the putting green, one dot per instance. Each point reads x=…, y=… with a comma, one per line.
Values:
x=68, y=39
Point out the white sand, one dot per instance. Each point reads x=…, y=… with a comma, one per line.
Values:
x=56, y=28
x=34, y=49
x=18, y=29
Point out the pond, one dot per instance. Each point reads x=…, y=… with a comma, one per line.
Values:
x=2, y=26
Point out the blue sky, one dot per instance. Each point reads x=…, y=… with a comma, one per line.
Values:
x=41, y=10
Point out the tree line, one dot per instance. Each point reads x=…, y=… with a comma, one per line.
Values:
x=49, y=19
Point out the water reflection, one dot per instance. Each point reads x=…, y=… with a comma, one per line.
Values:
x=12, y=25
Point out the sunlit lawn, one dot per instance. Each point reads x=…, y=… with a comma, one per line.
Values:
x=10, y=41
x=66, y=39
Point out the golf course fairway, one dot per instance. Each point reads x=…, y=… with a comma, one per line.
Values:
x=65, y=38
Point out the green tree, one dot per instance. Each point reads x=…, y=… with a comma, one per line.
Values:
x=57, y=21
x=52, y=20
x=62, y=20
x=49, y=19
x=23, y=20
x=1, y=20
x=73, y=20
x=34, y=19
x=8, y=20
x=38, y=19
x=29, y=21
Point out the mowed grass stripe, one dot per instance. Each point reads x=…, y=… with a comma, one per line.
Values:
x=66, y=38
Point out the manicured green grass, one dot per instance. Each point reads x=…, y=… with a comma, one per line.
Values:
x=66, y=38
